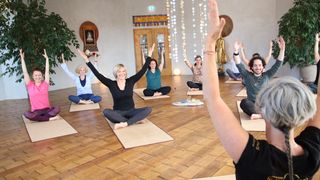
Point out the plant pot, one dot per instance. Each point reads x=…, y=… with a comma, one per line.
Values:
x=308, y=73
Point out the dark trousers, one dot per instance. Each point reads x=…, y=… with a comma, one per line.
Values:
x=163, y=90
x=194, y=85
x=76, y=99
x=42, y=114
x=234, y=76
x=130, y=116
x=248, y=107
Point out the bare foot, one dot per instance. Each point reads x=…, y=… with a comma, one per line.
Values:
x=157, y=94
x=82, y=102
x=255, y=116
x=54, y=118
x=194, y=89
x=142, y=121
x=120, y=125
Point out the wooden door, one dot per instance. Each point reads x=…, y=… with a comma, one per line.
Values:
x=143, y=40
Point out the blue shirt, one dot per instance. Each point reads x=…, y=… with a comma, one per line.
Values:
x=153, y=79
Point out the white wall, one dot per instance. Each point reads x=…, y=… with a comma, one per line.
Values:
x=255, y=23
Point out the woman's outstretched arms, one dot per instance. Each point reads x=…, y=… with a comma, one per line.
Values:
x=26, y=76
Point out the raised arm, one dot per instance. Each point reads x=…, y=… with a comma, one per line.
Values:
x=145, y=66
x=237, y=46
x=66, y=70
x=46, y=73
x=188, y=63
x=243, y=54
x=222, y=117
x=316, y=49
x=104, y=80
x=162, y=60
x=26, y=76
x=269, y=55
x=282, y=47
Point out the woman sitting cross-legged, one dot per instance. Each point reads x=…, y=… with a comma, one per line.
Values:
x=38, y=92
x=123, y=113
x=154, y=78
x=83, y=84
x=196, y=83
x=284, y=103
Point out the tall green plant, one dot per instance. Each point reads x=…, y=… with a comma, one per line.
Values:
x=30, y=27
x=298, y=27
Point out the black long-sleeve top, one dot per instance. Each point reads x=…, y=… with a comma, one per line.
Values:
x=122, y=99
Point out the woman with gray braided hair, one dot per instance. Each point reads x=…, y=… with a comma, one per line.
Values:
x=284, y=103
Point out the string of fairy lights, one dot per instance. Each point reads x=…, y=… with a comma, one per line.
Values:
x=177, y=27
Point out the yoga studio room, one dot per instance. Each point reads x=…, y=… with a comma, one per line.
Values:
x=160, y=89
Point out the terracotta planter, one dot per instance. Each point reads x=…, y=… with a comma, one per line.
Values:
x=308, y=73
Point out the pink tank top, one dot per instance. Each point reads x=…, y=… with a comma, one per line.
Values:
x=39, y=98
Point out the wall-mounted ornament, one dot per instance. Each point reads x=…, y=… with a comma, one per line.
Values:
x=89, y=34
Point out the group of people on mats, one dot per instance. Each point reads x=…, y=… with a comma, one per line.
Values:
x=284, y=103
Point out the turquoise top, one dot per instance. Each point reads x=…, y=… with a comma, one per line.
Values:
x=153, y=79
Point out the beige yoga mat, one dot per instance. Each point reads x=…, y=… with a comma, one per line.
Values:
x=242, y=93
x=230, y=81
x=50, y=129
x=248, y=124
x=140, y=134
x=195, y=93
x=83, y=107
x=226, y=177
x=139, y=92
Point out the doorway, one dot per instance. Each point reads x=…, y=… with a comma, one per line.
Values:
x=143, y=40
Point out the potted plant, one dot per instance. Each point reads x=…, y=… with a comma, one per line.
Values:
x=28, y=26
x=298, y=27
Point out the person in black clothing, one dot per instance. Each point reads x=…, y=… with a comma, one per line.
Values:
x=284, y=103
x=123, y=113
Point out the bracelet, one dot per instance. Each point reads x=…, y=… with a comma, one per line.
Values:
x=209, y=52
x=236, y=54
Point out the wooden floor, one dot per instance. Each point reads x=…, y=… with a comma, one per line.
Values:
x=95, y=152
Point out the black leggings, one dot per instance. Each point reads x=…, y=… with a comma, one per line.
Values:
x=194, y=85
x=163, y=90
x=248, y=107
x=130, y=116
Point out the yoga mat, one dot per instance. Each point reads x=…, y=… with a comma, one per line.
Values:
x=187, y=102
x=50, y=129
x=139, y=92
x=227, y=177
x=248, y=124
x=195, y=93
x=140, y=134
x=83, y=107
x=242, y=93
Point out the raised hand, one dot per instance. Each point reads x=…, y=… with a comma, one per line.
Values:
x=45, y=54
x=21, y=53
x=216, y=24
x=83, y=55
x=151, y=49
x=317, y=37
x=237, y=45
x=62, y=57
x=281, y=43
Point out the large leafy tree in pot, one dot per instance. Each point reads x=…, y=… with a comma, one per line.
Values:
x=298, y=27
x=30, y=27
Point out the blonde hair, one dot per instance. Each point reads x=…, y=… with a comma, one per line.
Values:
x=286, y=103
x=79, y=67
x=116, y=69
